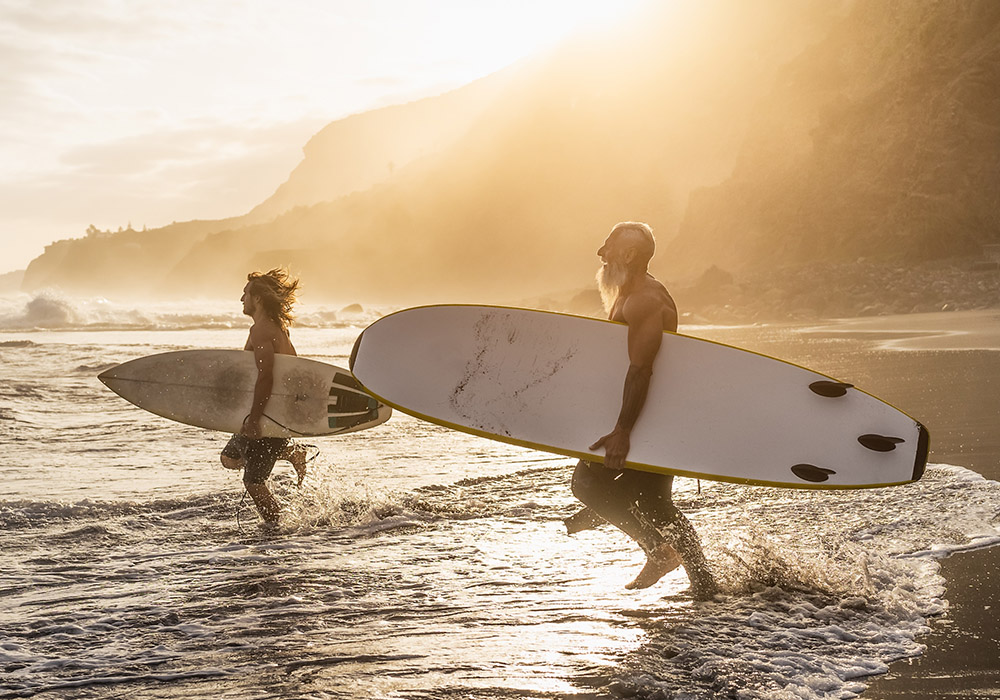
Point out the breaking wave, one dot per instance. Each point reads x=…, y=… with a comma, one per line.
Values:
x=51, y=310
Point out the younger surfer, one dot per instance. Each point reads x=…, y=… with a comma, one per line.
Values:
x=637, y=502
x=268, y=299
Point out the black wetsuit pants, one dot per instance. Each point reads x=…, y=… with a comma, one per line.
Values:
x=639, y=504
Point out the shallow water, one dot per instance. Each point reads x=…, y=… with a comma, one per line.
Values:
x=417, y=562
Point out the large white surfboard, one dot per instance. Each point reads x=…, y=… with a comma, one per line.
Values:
x=554, y=382
x=214, y=389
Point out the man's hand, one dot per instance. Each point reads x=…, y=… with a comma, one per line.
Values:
x=616, y=445
x=251, y=427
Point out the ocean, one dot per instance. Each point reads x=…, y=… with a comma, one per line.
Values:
x=418, y=562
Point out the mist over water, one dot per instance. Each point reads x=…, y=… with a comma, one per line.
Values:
x=54, y=310
x=417, y=562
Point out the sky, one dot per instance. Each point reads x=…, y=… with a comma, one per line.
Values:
x=144, y=112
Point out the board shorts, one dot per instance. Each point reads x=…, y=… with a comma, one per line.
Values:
x=258, y=456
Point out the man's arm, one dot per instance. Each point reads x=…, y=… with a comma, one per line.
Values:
x=263, y=353
x=645, y=334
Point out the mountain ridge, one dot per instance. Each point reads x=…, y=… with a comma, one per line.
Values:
x=729, y=153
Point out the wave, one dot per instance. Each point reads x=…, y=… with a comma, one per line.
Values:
x=29, y=513
x=95, y=369
x=51, y=310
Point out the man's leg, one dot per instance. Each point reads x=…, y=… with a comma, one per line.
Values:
x=639, y=504
x=260, y=458
x=266, y=504
x=583, y=519
x=297, y=455
x=654, y=503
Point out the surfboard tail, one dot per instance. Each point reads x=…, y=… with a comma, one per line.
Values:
x=923, y=450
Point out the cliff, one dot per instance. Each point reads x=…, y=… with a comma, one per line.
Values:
x=763, y=135
x=880, y=142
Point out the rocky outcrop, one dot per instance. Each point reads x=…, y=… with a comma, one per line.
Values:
x=772, y=137
x=882, y=141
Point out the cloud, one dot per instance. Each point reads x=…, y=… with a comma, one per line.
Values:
x=205, y=170
x=96, y=19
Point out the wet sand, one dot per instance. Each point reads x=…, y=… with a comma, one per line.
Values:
x=944, y=370
x=961, y=330
x=963, y=649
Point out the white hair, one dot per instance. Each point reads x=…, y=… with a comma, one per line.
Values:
x=640, y=235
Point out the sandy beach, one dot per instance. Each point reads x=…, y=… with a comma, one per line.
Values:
x=944, y=369
x=963, y=649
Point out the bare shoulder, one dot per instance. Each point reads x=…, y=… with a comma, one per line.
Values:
x=261, y=336
x=651, y=300
x=267, y=335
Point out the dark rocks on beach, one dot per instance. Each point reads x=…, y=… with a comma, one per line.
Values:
x=814, y=292
x=844, y=290
x=586, y=303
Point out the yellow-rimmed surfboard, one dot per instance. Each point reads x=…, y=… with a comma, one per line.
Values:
x=554, y=382
x=214, y=389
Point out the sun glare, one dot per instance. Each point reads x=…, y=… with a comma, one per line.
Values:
x=152, y=98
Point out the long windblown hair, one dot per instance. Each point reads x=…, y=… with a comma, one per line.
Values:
x=276, y=289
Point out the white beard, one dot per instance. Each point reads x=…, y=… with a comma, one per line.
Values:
x=611, y=277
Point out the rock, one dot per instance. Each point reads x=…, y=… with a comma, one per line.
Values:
x=586, y=303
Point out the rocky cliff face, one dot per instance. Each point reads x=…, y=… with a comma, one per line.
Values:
x=879, y=142
x=363, y=150
x=347, y=156
x=767, y=134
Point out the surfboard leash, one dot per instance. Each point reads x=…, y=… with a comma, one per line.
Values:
x=284, y=427
x=243, y=498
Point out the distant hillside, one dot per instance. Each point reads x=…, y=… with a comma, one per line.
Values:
x=761, y=134
x=880, y=142
x=348, y=155
x=11, y=281
x=365, y=149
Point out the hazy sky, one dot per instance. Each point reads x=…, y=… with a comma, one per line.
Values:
x=151, y=111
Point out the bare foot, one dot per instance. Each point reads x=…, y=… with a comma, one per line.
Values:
x=585, y=519
x=298, y=457
x=660, y=562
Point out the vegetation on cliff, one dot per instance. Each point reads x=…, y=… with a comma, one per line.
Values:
x=758, y=138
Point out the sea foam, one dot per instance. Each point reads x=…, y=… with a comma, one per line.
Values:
x=53, y=310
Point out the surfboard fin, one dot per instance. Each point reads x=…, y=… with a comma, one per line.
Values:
x=880, y=443
x=830, y=389
x=810, y=472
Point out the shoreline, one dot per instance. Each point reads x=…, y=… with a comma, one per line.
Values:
x=958, y=349
x=942, y=330
x=862, y=289
x=962, y=659
x=962, y=656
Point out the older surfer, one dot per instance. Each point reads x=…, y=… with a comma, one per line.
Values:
x=638, y=503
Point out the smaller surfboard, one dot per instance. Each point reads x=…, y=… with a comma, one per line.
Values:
x=554, y=382
x=214, y=389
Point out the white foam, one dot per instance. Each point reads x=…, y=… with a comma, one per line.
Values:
x=53, y=310
x=121, y=542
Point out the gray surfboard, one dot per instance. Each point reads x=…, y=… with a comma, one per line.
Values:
x=214, y=389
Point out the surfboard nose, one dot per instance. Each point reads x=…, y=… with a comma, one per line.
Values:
x=354, y=351
x=107, y=376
